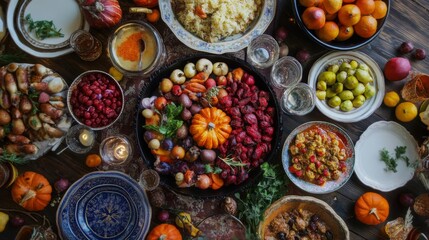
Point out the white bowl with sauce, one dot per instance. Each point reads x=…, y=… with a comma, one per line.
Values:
x=124, y=48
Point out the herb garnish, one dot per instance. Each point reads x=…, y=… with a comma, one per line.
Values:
x=391, y=162
x=251, y=205
x=8, y=58
x=12, y=158
x=388, y=160
x=43, y=28
x=232, y=162
x=170, y=120
x=209, y=169
x=33, y=94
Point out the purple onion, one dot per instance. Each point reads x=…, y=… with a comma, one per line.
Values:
x=163, y=216
x=61, y=185
x=17, y=221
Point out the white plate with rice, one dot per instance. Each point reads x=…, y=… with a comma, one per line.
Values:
x=237, y=24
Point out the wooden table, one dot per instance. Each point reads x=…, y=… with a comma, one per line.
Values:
x=407, y=22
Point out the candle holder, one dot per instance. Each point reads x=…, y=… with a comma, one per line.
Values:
x=79, y=139
x=116, y=150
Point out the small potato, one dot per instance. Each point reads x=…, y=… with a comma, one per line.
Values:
x=18, y=127
x=4, y=117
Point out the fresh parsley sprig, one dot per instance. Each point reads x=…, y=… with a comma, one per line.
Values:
x=388, y=160
x=391, y=162
x=43, y=28
x=170, y=120
x=252, y=204
x=12, y=158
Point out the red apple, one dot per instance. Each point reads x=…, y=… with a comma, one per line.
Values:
x=209, y=83
x=176, y=90
x=221, y=81
x=397, y=68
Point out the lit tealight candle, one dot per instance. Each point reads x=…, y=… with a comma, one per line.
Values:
x=86, y=138
x=121, y=152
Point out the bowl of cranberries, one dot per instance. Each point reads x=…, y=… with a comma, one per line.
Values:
x=95, y=99
x=206, y=123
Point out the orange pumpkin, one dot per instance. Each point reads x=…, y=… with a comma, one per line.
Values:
x=146, y=3
x=371, y=208
x=32, y=191
x=210, y=127
x=164, y=231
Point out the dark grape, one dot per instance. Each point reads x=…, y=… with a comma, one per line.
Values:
x=167, y=144
x=302, y=56
x=420, y=54
x=329, y=235
x=406, y=47
x=281, y=236
x=314, y=218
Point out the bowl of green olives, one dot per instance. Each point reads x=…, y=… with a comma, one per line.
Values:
x=349, y=86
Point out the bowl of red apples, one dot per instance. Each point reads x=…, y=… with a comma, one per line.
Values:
x=95, y=99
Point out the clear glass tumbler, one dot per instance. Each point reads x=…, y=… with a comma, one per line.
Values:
x=263, y=51
x=286, y=72
x=85, y=45
x=149, y=179
x=298, y=99
x=116, y=150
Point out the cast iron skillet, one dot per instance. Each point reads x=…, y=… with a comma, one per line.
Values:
x=152, y=88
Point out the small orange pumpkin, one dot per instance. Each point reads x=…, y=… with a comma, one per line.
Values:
x=32, y=191
x=210, y=127
x=371, y=208
x=164, y=231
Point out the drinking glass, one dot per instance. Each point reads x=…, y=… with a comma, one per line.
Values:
x=286, y=72
x=298, y=99
x=85, y=45
x=149, y=179
x=116, y=150
x=263, y=51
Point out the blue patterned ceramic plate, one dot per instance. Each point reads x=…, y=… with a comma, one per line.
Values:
x=329, y=186
x=104, y=205
x=230, y=44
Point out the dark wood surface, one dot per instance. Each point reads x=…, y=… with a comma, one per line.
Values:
x=407, y=22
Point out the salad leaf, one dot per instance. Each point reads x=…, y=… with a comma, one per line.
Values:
x=170, y=120
x=252, y=204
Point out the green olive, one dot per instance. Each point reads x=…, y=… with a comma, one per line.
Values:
x=341, y=76
x=334, y=101
x=334, y=68
x=369, y=91
x=321, y=85
x=351, y=82
x=358, y=101
x=363, y=76
x=321, y=95
x=360, y=89
x=345, y=66
x=328, y=77
x=346, y=106
x=330, y=93
x=337, y=87
x=354, y=64
x=363, y=66
x=346, y=95
x=351, y=72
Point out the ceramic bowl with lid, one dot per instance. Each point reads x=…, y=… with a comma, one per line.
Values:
x=136, y=49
